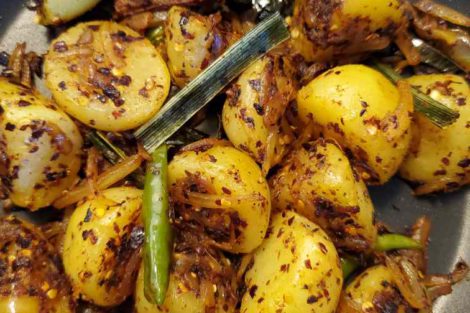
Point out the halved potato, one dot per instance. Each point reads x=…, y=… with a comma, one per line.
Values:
x=106, y=75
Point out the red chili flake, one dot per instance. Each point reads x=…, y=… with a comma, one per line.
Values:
x=308, y=264
x=226, y=191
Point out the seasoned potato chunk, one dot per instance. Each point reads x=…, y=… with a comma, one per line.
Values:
x=367, y=115
x=102, y=246
x=193, y=41
x=54, y=12
x=320, y=184
x=253, y=112
x=296, y=269
x=30, y=279
x=226, y=188
x=106, y=75
x=40, y=148
x=322, y=30
x=439, y=159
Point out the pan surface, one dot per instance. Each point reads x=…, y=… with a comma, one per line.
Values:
x=394, y=203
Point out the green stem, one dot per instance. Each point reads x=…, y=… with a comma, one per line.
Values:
x=349, y=265
x=158, y=238
x=389, y=242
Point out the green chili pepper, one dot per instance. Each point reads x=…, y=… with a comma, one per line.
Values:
x=349, y=265
x=158, y=238
x=156, y=35
x=389, y=242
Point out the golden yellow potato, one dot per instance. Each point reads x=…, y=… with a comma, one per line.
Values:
x=322, y=30
x=365, y=113
x=222, y=181
x=439, y=159
x=252, y=113
x=177, y=300
x=371, y=292
x=193, y=42
x=320, y=184
x=102, y=246
x=106, y=75
x=54, y=12
x=40, y=147
x=296, y=269
x=31, y=281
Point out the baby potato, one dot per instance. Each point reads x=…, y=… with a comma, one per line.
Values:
x=296, y=269
x=365, y=113
x=55, y=12
x=102, y=246
x=252, y=112
x=322, y=30
x=320, y=184
x=229, y=183
x=40, y=147
x=372, y=292
x=30, y=279
x=439, y=158
x=106, y=75
x=193, y=41
x=177, y=299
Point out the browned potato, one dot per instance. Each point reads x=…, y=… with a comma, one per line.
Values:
x=320, y=184
x=253, y=112
x=30, y=279
x=439, y=159
x=193, y=41
x=322, y=30
x=365, y=113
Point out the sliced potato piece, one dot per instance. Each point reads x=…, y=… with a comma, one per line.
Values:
x=439, y=159
x=320, y=184
x=40, y=147
x=55, y=12
x=106, y=75
x=296, y=269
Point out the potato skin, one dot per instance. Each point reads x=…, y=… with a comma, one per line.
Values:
x=251, y=115
x=106, y=75
x=233, y=174
x=103, y=235
x=193, y=41
x=40, y=148
x=320, y=184
x=31, y=279
x=365, y=113
x=322, y=30
x=296, y=269
x=371, y=292
x=439, y=159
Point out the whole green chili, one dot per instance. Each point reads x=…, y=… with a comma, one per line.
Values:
x=158, y=238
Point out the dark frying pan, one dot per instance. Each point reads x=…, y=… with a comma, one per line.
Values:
x=450, y=213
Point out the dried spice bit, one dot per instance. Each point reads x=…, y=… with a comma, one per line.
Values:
x=111, y=281
x=120, y=79
x=282, y=256
x=31, y=262
x=46, y=136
